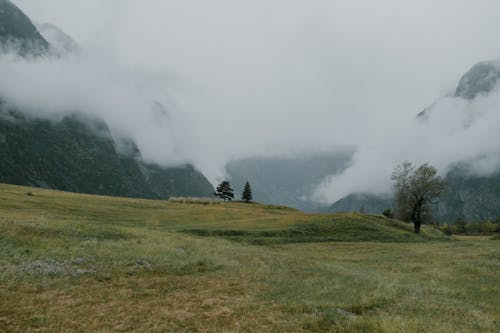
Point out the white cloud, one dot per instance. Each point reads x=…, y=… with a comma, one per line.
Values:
x=242, y=78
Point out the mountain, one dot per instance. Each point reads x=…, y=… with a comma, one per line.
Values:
x=286, y=180
x=468, y=195
x=18, y=32
x=363, y=202
x=75, y=153
x=476, y=198
x=482, y=78
x=78, y=154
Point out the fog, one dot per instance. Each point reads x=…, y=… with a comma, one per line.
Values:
x=273, y=78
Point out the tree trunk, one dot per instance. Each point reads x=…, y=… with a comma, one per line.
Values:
x=417, y=219
x=417, y=226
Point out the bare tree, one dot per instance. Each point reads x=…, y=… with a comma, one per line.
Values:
x=415, y=191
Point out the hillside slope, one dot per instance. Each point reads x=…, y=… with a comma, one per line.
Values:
x=236, y=221
x=80, y=155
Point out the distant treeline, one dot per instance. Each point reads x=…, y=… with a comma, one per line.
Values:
x=463, y=227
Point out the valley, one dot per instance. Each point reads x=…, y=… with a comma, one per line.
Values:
x=119, y=118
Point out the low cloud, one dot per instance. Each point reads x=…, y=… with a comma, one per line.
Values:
x=454, y=130
x=206, y=83
x=130, y=104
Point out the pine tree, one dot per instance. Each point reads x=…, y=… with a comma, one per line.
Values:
x=224, y=191
x=247, y=193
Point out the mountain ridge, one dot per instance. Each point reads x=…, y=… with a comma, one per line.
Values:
x=18, y=33
x=74, y=152
x=80, y=155
x=482, y=78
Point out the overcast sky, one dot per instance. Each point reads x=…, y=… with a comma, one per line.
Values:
x=273, y=77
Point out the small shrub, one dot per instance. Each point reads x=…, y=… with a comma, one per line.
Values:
x=446, y=229
x=388, y=213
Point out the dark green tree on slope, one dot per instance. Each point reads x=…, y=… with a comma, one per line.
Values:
x=247, y=193
x=224, y=191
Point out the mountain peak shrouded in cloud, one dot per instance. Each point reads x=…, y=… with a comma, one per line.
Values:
x=53, y=146
x=480, y=79
x=455, y=130
x=239, y=79
x=18, y=32
x=483, y=78
x=469, y=118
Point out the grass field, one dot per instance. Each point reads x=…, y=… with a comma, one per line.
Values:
x=83, y=263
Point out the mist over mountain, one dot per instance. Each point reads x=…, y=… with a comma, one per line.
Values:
x=363, y=202
x=17, y=32
x=72, y=151
x=473, y=188
x=480, y=79
x=288, y=181
x=80, y=155
x=193, y=83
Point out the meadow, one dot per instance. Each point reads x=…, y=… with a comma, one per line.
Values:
x=81, y=263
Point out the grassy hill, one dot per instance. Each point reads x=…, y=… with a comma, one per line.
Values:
x=94, y=263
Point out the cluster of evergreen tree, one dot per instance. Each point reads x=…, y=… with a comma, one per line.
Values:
x=225, y=192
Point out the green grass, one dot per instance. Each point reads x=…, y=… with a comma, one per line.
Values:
x=88, y=263
x=326, y=228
